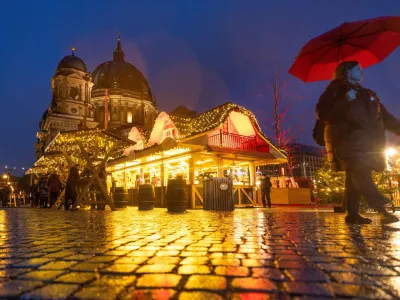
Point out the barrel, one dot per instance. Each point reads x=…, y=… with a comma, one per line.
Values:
x=146, y=197
x=218, y=194
x=177, y=195
x=120, y=197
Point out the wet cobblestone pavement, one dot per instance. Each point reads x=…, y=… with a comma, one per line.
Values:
x=246, y=254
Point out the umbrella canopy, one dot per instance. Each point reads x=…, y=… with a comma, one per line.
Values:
x=368, y=42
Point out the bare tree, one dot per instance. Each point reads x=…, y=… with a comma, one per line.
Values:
x=285, y=129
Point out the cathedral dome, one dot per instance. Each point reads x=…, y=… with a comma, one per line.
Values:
x=119, y=74
x=72, y=62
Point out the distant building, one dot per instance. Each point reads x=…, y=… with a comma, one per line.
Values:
x=116, y=90
x=306, y=161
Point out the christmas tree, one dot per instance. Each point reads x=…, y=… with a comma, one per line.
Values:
x=329, y=186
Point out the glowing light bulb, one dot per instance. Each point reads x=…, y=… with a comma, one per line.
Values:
x=390, y=151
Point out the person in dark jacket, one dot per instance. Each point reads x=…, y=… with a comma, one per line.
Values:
x=101, y=201
x=54, y=185
x=7, y=191
x=35, y=193
x=355, y=125
x=44, y=192
x=71, y=192
x=265, y=186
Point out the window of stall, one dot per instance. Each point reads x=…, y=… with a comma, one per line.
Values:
x=177, y=168
x=132, y=178
x=152, y=174
x=239, y=172
x=204, y=169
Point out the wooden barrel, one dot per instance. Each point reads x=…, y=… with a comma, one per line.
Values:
x=120, y=197
x=177, y=195
x=146, y=197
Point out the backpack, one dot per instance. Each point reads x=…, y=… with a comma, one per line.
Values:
x=318, y=132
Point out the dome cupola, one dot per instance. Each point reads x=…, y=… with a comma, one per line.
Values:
x=72, y=62
x=120, y=75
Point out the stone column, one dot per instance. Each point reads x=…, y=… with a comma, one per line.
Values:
x=65, y=88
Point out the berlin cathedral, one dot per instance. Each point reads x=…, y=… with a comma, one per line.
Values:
x=116, y=90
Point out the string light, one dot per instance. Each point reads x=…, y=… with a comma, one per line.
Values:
x=96, y=142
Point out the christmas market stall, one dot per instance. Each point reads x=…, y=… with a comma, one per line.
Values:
x=89, y=150
x=226, y=141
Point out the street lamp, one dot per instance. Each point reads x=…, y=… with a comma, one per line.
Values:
x=390, y=152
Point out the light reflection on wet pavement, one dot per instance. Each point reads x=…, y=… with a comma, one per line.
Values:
x=245, y=254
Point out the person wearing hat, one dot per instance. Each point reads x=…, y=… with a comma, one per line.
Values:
x=266, y=186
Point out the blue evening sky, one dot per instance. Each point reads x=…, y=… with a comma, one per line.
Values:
x=201, y=52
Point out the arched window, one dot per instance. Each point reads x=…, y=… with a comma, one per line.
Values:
x=74, y=93
x=129, y=117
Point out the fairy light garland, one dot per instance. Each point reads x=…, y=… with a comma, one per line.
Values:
x=95, y=141
x=213, y=119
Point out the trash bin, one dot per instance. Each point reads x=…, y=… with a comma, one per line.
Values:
x=218, y=194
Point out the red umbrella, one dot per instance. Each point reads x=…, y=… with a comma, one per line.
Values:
x=367, y=41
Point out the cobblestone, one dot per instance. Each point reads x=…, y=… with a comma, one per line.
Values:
x=15, y=288
x=159, y=280
x=245, y=254
x=206, y=282
x=52, y=291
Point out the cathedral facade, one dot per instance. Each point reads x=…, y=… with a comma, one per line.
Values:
x=115, y=96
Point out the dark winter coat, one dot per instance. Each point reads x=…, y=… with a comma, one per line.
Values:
x=265, y=184
x=355, y=130
x=72, y=181
x=34, y=189
x=44, y=191
x=53, y=184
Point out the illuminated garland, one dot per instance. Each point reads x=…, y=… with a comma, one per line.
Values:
x=95, y=141
x=213, y=119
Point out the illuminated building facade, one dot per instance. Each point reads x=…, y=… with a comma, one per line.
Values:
x=116, y=91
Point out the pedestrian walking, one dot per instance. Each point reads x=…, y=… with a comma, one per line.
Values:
x=266, y=186
x=71, y=193
x=44, y=192
x=54, y=186
x=355, y=122
x=34, y=191
x=100, y=200
x=7, y=191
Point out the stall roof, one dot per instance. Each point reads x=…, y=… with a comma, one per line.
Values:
x=211, y=119
x=92, y=139
x=65, y=147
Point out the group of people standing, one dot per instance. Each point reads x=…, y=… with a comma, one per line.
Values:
x=45, y=191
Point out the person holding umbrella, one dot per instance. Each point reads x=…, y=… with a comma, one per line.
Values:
x=355, y=124
x=351, y=119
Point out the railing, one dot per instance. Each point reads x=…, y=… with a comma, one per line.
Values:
x=233, y=141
